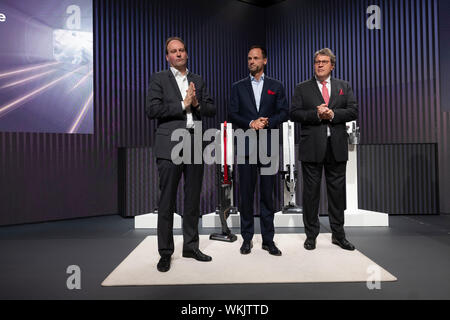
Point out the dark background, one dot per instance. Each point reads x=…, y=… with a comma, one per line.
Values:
x=395, y=72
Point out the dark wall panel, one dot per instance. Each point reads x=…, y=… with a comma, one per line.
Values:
x=139, y=194
x=54, y=176
x=395, y=179
x=139, y=189
x=398, y=179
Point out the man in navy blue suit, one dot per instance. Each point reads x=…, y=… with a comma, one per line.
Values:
x=257, y=102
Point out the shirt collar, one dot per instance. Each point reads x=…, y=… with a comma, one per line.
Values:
x=177, y=73
x=252, y=78
x=327, y=79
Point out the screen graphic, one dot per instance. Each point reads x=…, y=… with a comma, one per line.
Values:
x=46, y=61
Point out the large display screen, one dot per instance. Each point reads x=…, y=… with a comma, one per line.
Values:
x=46, y=61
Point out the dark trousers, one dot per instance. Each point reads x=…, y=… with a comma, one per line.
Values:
x=248, y=174
x=335, y=181
x=169, y=178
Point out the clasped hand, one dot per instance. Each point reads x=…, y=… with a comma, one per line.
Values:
x=191, y=98
x=324, y=112
x=259, y=123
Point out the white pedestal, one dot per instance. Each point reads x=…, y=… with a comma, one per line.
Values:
x=212, y=220
x=288, y=220
x=150, y=221
x=355, y=217
x=365, y=218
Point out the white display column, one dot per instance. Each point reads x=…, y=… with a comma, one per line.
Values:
x=150, y=221
x=355, y=217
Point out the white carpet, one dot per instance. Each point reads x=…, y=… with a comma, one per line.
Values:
x=327, y=263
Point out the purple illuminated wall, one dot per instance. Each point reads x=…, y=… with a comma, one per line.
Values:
x=59, y=176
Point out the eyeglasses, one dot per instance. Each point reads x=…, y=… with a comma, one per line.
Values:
x=324, y=62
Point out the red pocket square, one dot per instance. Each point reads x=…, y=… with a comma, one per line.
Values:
x=270, y=92
x=341, y=93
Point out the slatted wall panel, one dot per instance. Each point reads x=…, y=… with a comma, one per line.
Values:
x=139, y=193
x=56, y=176
x=393, y=71
x=398, y=179
x=133, y=47
x=139, y=184
x=395, y=179
x=444, y=163
x=443, y=97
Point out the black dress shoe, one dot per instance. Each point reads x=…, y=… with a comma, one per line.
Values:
x=246, y=247
x=343, y=243
x=272, y=248
x=310, y=244
x=197, y=255
x=164, y=263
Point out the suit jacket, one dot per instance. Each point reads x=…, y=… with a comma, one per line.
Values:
x=313, y=135
x=164, y=104
x=273, y=104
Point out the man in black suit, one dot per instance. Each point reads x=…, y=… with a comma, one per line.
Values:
x=323, y=105
x=177, y=99
x=257, y=102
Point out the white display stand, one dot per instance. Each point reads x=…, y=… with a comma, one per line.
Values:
x=150, y=221
x=212, y=220
x=355, y=217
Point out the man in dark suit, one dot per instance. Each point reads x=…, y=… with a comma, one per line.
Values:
x=257, y=102
x=177, y=99
x=323, y=105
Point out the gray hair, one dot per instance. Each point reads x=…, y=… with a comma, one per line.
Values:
x=326, y=52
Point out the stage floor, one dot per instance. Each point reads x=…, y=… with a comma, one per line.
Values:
x=35, y=257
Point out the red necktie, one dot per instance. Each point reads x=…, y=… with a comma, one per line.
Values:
x=325, y=94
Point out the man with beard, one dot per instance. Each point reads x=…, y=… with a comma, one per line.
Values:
x=257, y=102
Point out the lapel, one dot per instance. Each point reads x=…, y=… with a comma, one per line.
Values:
x=317, y=90
x=266, y=87
x=190, y=79
x=174, y=84
x=248, y=85
x=334, y=92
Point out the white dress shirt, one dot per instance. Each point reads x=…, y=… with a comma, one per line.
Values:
x=257, y=89
x=328, y=85
x=257, y=86
x=183, y=85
